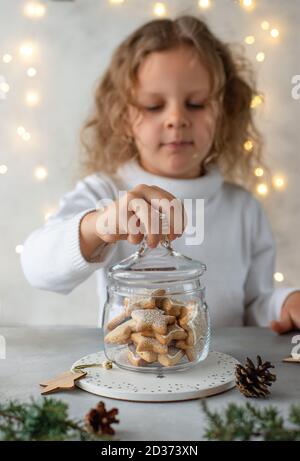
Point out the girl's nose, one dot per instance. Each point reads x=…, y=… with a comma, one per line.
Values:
x=176, y=119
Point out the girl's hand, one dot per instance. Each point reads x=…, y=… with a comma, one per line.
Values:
x=290, y=315
x=138, y=213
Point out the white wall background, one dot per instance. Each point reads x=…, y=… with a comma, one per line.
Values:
x=74, y=42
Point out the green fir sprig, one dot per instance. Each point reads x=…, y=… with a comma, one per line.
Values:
x=247, y=422
x=43, y=420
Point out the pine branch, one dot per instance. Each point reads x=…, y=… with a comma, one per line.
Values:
x=247, y=422
x=41, y=420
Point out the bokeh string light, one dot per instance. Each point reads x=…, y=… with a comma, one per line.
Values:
x=160, y=9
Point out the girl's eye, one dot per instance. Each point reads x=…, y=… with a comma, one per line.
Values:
x=153, y=108
x=196, y=106
x=190, y=105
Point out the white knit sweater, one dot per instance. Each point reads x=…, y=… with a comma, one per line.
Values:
x=238, y=246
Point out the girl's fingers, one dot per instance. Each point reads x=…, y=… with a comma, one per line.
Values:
x=166, y=203
x=280, y=326
x=135, y=239
x=142, y=210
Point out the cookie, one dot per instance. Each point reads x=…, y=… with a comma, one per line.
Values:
x=194, y=352
x=150, y=319
x=116, y=321
x=182, y=345
x=148, y=333
x=171, y=307
x=191, y=351
x=172, y=357
x=175, y=332
x=141, y=358
x=148, y=344
x=121, y=334
x=159, y=296
x=148, y=356
x=193, y=322
x=137, y=303
x=134, y=358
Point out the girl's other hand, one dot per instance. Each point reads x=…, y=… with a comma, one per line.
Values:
x=290, y=315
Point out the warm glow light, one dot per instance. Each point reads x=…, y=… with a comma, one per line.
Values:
x=40, y=173
x=260, y=57
x=160, y=9
x=279, y=277
x=265, y=25
x=49, y=213
x=278, y=182
x=116, y=2
x=26, y=136
x=204, y=4
x=248, y=145
x=259, y=172
x=4, y=87
x=19, y=249
x=23, y=133
x=21, y=130
x=34, y=10
x=256, y=101
x=32, y=98
x=31, y=72
x=26, y=50
x=250, y=39
x=262, y=189
x=274, y=33
x=7, y=58
x=3, y=169
x=247, y=4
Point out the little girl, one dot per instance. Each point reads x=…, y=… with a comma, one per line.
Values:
x=171, y=117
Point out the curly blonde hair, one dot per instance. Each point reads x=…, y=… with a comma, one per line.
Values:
x=106, y=137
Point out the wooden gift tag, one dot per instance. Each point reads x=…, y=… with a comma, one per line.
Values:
x=64, y=381
x=292, y=360
x=295, y=358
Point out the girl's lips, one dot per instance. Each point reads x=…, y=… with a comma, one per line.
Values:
x=178, y=145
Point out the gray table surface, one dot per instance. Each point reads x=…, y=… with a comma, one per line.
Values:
x=34, y=354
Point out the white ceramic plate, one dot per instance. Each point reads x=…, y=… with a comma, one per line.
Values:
x=212, y=376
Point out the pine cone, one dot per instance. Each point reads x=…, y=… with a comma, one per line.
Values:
x=254, y=381
x=98, y=420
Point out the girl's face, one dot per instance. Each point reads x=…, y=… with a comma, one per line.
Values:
x=175, y=128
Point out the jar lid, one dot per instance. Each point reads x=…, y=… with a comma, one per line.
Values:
x=156, y=266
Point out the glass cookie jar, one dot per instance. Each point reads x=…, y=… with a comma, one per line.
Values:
x=155, y=317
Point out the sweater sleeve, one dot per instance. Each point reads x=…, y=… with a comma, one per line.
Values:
x=51, y=258
x=263, y=302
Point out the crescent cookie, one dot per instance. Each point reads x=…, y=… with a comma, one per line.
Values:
x=148, y=344
x=175, y=332
x=150, y=319
x=121, y=334
x=172, y=357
